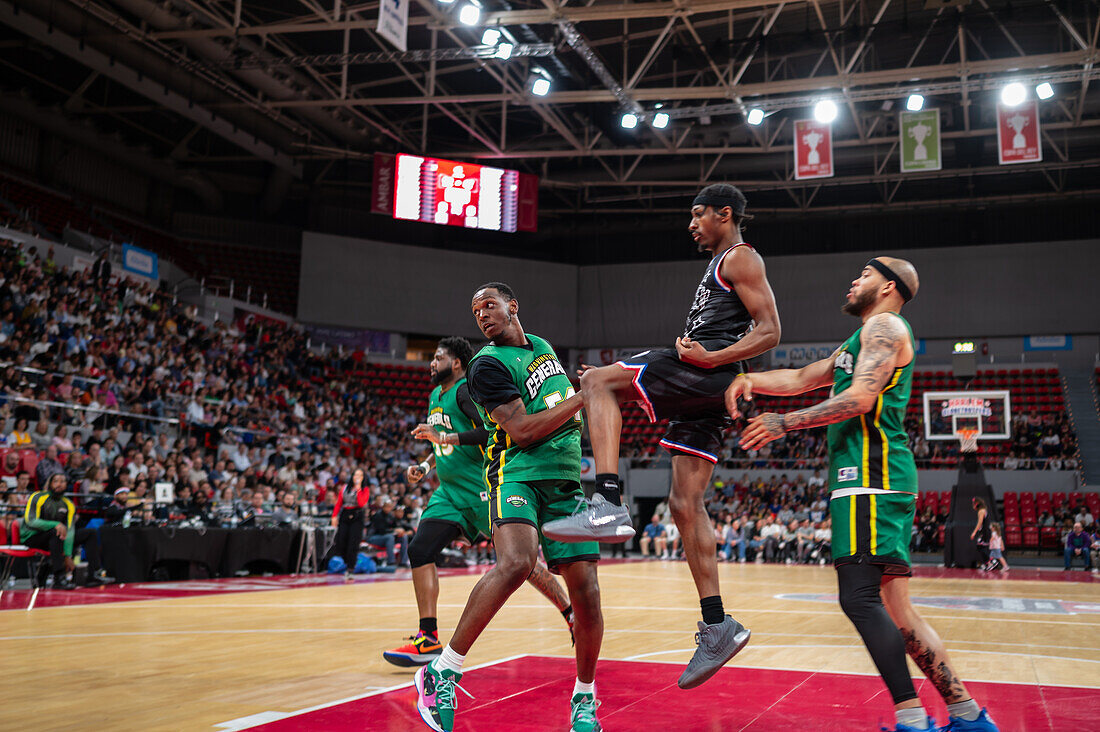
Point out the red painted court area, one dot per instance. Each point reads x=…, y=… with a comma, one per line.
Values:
x=530, y=694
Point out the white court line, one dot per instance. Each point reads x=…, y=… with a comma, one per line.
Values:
x=235, y=725
x=647, y=658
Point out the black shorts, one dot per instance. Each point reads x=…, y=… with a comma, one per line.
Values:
x=690, y=397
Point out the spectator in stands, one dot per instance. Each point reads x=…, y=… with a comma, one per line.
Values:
x=47, y=465
x=654, y=536
x=823, y=535
x=672, y=533
x=382, y=528
x=118, y=512
x=19, y=436
x=49, y=523
x=804, y=541
x=10, y=464
x=101, y=269
x=61, y=439
x=733, y=539
x=1084, y=517
x=287, y=510
x=41, y=436
x=1078, y=544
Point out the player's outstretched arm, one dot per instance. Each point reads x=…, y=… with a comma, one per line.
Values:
x=527, y=429
x=780, y=382
x=881, y=343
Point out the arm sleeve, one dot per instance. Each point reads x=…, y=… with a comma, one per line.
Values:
x=339, y=502
x=478, y=435
x=490, y=383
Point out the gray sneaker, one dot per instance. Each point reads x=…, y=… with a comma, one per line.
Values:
x=717, y=644
x=596, y=519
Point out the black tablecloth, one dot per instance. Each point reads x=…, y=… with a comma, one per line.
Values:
x=129, y=555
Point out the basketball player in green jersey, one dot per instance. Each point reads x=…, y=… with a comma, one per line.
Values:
x=533, y=462
x=873, y=486
x=460, y=505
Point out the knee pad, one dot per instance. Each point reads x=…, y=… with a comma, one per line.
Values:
x=431, y=538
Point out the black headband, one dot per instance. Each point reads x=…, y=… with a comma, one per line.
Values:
x=888, y=273
x=719, y=202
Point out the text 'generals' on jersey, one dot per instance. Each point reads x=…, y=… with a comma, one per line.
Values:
x=439, y=418
x=541, y=369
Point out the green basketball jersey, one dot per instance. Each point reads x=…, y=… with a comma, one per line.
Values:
x=456, y=465
x=872, y=450
x=542, y=383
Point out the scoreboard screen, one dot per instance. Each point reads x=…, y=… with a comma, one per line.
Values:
x=462, y=194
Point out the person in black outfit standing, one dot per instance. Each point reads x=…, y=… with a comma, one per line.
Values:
x=347, y=519
x=981, y=532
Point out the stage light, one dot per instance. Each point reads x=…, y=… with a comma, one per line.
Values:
x=914, y=103
x=1013, y=94
x=756, y=116
x=469, y=14
x=504, y=50
x=1044, y=90
x=540, y=87
x=629, y=121
x=490, y=37
x=660, y=120
x=825, y=111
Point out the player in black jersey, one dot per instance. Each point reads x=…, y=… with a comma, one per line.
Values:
x=732, y=318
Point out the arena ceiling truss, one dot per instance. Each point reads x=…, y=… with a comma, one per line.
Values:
x=293, y=90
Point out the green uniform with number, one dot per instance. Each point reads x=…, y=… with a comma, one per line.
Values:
x=872, y=474
x=537, y=483
x=461, y=498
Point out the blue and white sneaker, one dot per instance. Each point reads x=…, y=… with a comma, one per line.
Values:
x=984, y=723
x=931, y=727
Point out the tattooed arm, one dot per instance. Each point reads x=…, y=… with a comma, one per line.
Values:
x=780, y=382
x=884, y=345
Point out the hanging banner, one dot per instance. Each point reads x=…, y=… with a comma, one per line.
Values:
x=393, y=22
x=381, y=186
x=813, y=150
x=920, y=141
x=1018, y=134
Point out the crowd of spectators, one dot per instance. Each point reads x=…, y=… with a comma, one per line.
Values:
x=122, y=387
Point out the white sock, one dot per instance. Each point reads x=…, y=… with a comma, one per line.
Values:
x=914, y=717
x=582, y=688
x=968, y=710
x=449, y=660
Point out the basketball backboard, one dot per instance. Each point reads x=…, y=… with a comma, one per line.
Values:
x=948, y=412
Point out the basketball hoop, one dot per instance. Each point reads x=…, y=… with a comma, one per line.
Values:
x=968, y=440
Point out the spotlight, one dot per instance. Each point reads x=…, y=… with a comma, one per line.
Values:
x=504, y=50
x=540, y=87
x=446, y=2
x=914, y=103
x=660, y=120
x=490, y=37
x=756, y=116
x=629, y=121
x=469, y=14
x=1044, y=90
x=825, y=111
x=1013, y=94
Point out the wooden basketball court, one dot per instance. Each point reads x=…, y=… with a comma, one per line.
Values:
x=234, y=654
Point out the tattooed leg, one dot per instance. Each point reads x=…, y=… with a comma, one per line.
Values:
x=541, y=579
x=922, y=643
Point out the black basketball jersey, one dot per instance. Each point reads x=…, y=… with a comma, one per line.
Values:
x=717, y=317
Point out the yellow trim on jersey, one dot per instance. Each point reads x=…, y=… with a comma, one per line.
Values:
x=500, y=470
x=874, y=528
x=852, y=545
x=866, y=448
x=882, y=433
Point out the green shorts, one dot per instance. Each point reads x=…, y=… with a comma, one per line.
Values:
x=536, y=503
x=876, y=527
x=463, y=507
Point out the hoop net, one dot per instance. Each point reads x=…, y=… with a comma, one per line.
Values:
x=968, y=439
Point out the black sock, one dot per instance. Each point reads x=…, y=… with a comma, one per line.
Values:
x=607, y=485
x=567, y=613
x=713, y=612
x=429, y=626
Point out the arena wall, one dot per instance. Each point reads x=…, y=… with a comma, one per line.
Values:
x=988, y=291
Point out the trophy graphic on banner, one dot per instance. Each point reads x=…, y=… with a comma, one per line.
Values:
x=812, y=140
x=1018, y=122
x=920, y=132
